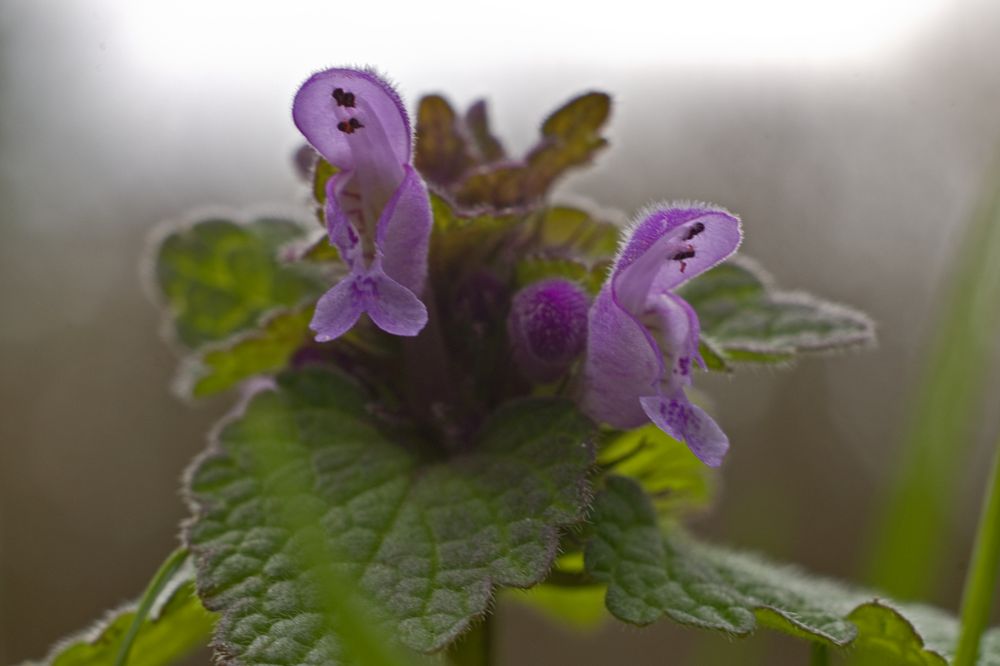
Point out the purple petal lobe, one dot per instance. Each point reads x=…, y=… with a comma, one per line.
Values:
x=547, y=326
x=674, y=324
x=403, y=232
x=677, y=417
x=337, y=310
x=394, y=308
x=391, y=306
x=375, y=106
x=623, y=364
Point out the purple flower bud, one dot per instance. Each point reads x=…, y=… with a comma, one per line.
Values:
x=304, y=160
x=642, y=337
x=377, y=209
x=547, y=326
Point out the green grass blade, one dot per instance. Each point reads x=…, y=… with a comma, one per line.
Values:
x=907, y=552
x=163, y=577
x=981, y=580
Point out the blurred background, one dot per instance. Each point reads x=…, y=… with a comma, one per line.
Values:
x=854, y=138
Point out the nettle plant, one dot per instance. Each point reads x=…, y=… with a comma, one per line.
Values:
x=450, y=387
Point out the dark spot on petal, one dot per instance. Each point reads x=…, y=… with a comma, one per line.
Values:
x=348, y=126
x=343, y=98
x=694, y=230
x=683, y=254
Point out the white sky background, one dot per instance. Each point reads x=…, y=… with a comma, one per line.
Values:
x=178, y=36
x=263, y=44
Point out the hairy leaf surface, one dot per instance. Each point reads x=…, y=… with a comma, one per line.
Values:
x=427, y=541
x=654, y=571
x=745, y=319
x=218, y=277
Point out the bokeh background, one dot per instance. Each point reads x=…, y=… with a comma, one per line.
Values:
x=854, y=138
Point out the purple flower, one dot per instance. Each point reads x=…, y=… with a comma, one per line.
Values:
x=547, y=326
x=643, y=337
x=377, y=210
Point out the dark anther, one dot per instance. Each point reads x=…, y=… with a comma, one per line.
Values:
x=348, y=126
x=683, y=254
x=695, y=229
x=343, y=98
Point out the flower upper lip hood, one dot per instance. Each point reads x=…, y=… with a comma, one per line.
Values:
x=643, y=338
x=377, y=208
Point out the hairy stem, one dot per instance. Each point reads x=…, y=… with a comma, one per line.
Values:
x=163, y=576
x=981, y=579
x=819, y=655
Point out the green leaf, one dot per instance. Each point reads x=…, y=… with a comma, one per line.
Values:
x=218, y=277
x=460, y=244
x=176, y=626
x=533, y=269
x=666, y=469
x=577, y=233
x=570, y=138
x=322, y=173
x=487, y=146
x=714, y=358
x=425, y=540
x=441, y=154
x=579, y=607
x=318, y=249
x=571, y=244
x=654, y=571
x=260, y=351
x=499, y=187
x=745, y=320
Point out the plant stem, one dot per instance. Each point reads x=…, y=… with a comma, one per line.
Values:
x=981, y=579
x=163, y=576
x=819, y=655
x=474, y=648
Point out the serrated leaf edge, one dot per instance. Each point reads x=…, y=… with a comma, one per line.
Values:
x=146, y=269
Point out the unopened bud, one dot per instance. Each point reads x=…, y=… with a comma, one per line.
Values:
x=547, y=326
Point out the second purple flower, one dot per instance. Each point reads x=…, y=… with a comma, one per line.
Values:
x=643, y=338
